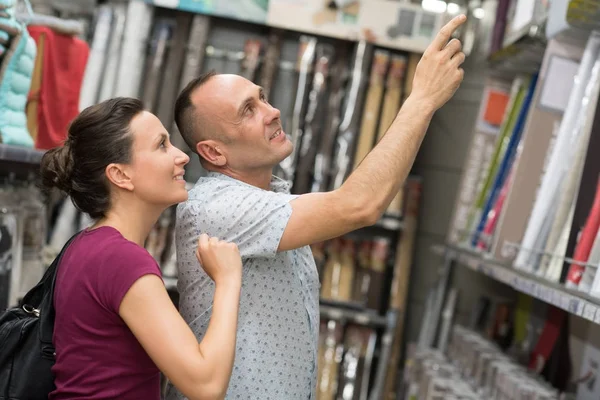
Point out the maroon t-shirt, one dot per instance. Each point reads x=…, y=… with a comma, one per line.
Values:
x=97, y=356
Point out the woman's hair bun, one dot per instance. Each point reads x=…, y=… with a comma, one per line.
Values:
x=56, y=169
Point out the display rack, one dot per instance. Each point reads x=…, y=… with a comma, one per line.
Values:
x=522, y=52
x=16, y=154
x=572, y=301
x=357, y=317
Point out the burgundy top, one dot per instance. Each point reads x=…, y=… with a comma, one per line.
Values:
x=97, y=356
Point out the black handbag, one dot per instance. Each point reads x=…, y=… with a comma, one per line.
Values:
x=26, y=350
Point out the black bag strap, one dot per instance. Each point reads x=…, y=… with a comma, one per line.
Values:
x=44, y=290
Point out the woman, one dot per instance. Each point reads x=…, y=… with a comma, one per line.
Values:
x=116, y=326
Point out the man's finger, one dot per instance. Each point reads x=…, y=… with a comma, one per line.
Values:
x=459, y=58
x=453, y=47
x=444, y=35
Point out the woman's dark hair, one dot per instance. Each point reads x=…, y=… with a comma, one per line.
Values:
x=98, y=136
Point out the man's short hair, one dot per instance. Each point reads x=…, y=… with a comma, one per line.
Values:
x=185, y=114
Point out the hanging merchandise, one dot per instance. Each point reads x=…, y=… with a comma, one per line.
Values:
x=562, y=155
x=391, y=106
x=557, y=77
x=318, y=252
x=9, y=248
x=518, y=93
x=64, y=227
x=324, y=156
x=487, y=234
x=585, y=242
x=192, y=65
x=113, y=51
x=33, y=214
x=591, y=269
x=313, y=119
x=552, y=260
x=64, y=61
x=155, y=59
x=362, y=281
x=304, y=67
x=339, y=270
x=506, y=165
x=492, y=110
x=505, y=149
x=135, y=39
x=270, y=64
x=349, y=127
x=95, y=66
x=371, y=111
x=330, y=354
x=401, y=278
x=171, y=77
x=355, y=368
x=16, y=71
x=251, y=61
x=379, y=256
x=330, y=279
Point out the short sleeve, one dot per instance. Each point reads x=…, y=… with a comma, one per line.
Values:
x=126, y=264
x=252, y=219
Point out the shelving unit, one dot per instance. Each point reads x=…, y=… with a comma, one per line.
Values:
x=572, y=301
x=522, y=52
x=15, y=154
x=354, y=316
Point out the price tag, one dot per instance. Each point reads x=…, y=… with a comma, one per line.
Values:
x=589, y=311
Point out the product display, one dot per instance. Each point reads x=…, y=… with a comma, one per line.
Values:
x=16, y=72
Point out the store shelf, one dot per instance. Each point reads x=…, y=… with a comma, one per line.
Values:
x=572, y=301
x=390, y=223
x=522, y=51
x=349, y=315
x=16, y=154
x=584, y=14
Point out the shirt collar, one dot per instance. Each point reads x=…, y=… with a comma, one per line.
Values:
x=277, y=184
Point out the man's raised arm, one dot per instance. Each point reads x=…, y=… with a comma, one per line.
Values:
x=368, y=191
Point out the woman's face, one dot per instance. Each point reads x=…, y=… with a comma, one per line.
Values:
x=156, y=165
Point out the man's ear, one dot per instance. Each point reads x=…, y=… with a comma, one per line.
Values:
x=211, y=151
x=118, y=175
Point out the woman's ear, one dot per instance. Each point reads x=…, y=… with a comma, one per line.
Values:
x=211, y=151
x=118, y=176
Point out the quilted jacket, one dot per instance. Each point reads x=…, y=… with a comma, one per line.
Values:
x=16, y=68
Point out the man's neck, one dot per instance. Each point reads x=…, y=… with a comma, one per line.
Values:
x=261, y=179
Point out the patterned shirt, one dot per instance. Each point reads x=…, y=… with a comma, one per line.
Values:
x=276, y=350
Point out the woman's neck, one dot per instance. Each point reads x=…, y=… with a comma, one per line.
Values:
x=134, y=223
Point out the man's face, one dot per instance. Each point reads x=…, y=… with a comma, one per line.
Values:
x=236, y=109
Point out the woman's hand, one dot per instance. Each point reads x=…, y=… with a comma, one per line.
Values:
x=221, y=260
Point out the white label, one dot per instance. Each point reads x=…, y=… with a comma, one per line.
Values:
x=589, y=311
x=558, y=83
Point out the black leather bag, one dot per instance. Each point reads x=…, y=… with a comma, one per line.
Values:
x=26, y=350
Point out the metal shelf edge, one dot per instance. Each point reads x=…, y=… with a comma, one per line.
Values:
x=18, y=154
x=573, y=302
x=359, y=317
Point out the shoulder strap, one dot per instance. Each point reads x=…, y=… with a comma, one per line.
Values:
x=47, y=305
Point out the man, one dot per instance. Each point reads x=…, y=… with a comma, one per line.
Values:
x=237, y=134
